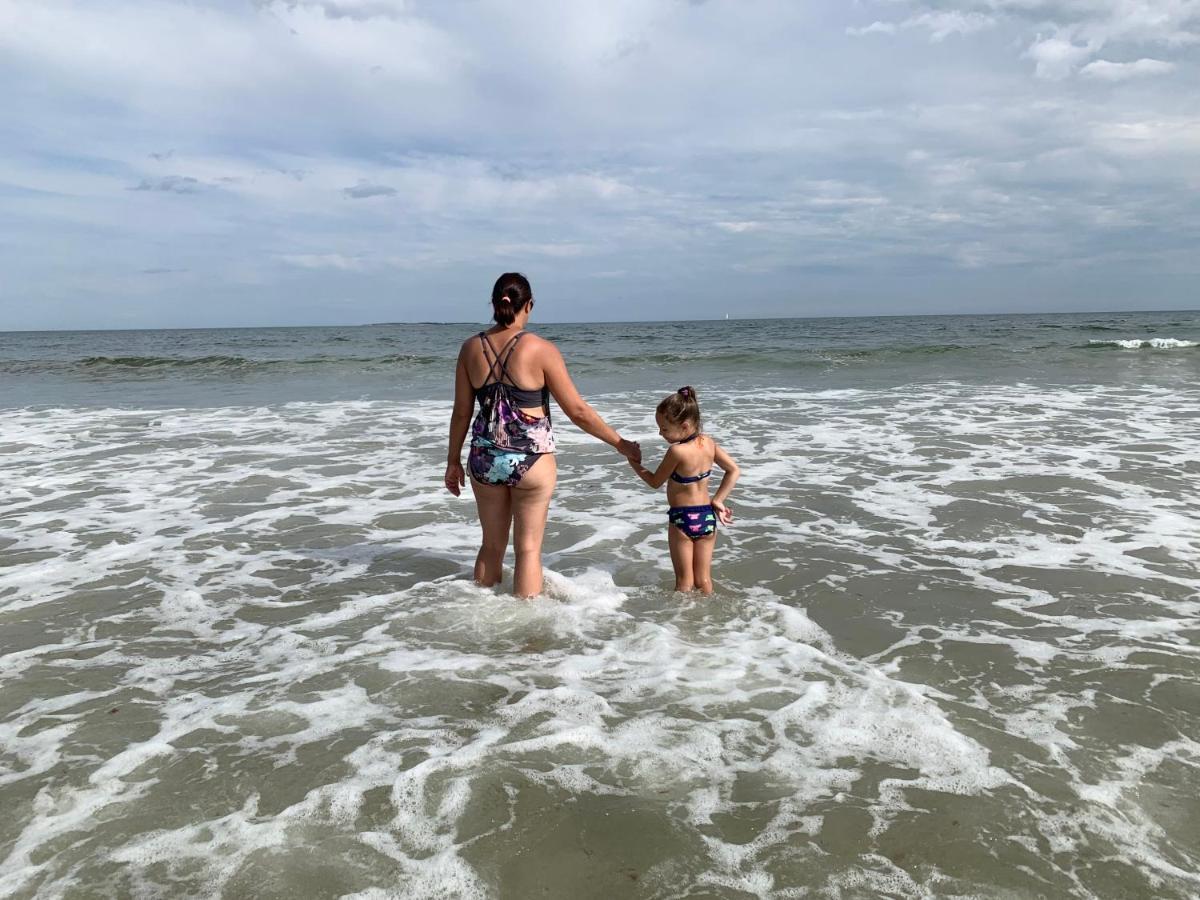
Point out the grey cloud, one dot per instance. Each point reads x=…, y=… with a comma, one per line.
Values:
x=938, y=24
x=1062, y=35
x=175, y=184
x=357, y=10
x=364, y=189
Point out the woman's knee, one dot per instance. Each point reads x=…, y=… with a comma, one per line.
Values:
x=528, y=550
x=494, y=546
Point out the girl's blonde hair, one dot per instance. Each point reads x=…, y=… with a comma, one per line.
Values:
x=681, y=407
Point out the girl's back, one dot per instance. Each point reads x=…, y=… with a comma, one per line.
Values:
x=695, y=464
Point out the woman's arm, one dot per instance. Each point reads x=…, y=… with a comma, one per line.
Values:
x=577, y=409
x=460, y=421
x=658, y=478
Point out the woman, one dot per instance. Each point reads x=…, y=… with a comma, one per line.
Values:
x=512, y=374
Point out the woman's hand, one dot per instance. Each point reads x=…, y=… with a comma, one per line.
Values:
x=724, y=513
x=456, y=480
x=631, y=450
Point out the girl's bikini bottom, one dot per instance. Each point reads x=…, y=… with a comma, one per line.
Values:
x=693, y=521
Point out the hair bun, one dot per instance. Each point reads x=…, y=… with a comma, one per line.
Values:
x=686, y=391
x=510, y=293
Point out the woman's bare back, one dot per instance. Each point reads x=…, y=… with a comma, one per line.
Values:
x=525, y=362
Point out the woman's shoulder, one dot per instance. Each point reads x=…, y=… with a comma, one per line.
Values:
x=474, y=340
x=530, y=339
x=538, y=348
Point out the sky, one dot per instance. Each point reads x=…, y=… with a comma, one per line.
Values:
x=274, y=162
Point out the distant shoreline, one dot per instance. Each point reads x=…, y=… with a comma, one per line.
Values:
x=963, y=315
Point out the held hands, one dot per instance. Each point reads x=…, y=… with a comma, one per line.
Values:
x=724, y=513
x=631, y=450
x=456, y=480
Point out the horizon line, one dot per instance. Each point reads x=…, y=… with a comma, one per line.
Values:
x=399, y=323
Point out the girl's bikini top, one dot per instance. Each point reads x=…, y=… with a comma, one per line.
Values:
x=689, y=479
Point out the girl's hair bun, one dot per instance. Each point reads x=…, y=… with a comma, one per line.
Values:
x=681, y=407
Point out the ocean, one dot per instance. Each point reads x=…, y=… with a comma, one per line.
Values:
x=954, y=648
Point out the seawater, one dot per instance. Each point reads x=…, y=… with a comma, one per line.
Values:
x=954, y=649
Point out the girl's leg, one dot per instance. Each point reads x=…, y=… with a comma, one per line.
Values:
x=530, y=504
x=681, y=558
x=495, y=516
x=702, y=553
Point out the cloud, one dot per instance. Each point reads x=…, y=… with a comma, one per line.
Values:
x=358, y=10
x=558, y=250
x=1104, y=70
x=875, y=27
x=1165, y=138
x=364, y=189
x=325, y=261
x=939, y=25
x=1075, y=30
x=174, y=184
x=1057, y=58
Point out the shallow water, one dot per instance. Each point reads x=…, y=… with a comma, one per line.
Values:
x=953, y=651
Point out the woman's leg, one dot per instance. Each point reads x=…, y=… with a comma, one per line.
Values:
x=494, y=505
x=702, y=553
x=681, y=558
x=530, y=504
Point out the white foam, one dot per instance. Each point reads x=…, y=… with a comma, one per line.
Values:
x=1143, y=343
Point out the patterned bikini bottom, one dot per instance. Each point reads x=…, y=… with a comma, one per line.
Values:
x=490, y=464
x=694, y=521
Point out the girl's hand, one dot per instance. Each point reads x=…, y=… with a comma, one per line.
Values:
x=456, y=480
x=631, y=450
x=724, y=513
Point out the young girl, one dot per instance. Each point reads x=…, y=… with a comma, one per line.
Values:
x=692, y=517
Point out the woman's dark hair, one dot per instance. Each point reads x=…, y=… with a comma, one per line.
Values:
x=681, y=407
x=509, y=296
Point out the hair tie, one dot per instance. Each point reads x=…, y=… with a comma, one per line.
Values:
x=685, y=392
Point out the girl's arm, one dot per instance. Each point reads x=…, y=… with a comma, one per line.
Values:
x=725, y=461
x=657, y=478
x=460, y=421
x=577, y=409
